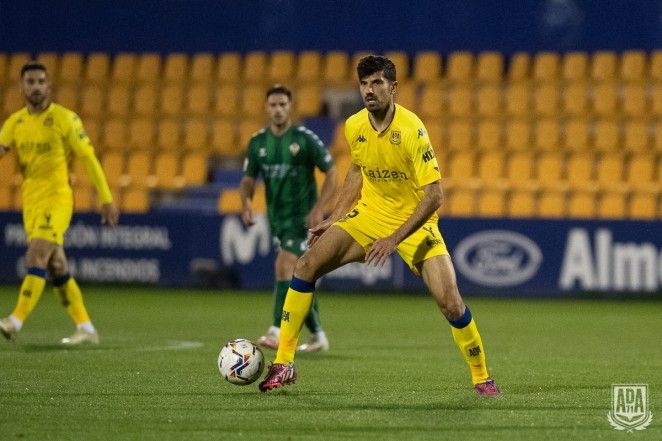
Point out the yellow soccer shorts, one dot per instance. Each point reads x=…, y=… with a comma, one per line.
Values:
x=422, y=244
x=47, y=221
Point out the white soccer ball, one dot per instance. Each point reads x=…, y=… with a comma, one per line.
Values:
x=240, y=362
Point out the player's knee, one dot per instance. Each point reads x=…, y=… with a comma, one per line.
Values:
x=452, y=305
x=57, y=267
x=305, y=268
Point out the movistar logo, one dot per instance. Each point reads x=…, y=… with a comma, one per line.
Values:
x=361, y=138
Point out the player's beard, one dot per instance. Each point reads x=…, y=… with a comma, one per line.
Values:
x=37, y=99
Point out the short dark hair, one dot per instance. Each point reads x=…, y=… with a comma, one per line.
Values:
x=279, y=88
x=375, y=63
x=32, y=65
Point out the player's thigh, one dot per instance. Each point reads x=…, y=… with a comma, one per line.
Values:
x=39, y=252
x=439, y=276
x=333, y=249
x=421, y=245
x=48, y=221
x=284, y=264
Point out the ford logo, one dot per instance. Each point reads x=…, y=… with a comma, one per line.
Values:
x=498, y=258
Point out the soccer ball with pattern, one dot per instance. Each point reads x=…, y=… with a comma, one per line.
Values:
x=240, y=362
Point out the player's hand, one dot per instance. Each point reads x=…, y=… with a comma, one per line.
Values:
x=380, y=251
x=314, y=217
x=247, y=218
x=318, y=230
x=110, y=215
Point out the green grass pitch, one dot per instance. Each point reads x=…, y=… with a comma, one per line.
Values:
x=393, y=372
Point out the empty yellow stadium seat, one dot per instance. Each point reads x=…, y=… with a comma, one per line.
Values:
x=460, y=135
x=575, y=99
x=575, y=66
x=227, y=101
x=460, y=67
x=461, y=202
x=488, y=100
x=607, y=135
x=605, y=99
x=256, y=67
x=603, y=66
x=427, y=67
x=97, y=67
x=432, y=100
x=551, y=204
x=169, y=134
x=546, y=99
x=309, y=67
x=197, y=100
x=491, y=203
x=114, y=134
x=640, y=172
x=141, y=134
x=643, y=205
x=113, y=167
x=518, y=69
x=655, y=68
x=633, y=66
x=460, y=101
x=549, y=169
x=247, y=129
x=401, y=61
x=252, y=101
x=124, y=68
x=223, y=138
x=489, y=134
x=119, y=100
x=436, y=133
x=518, y=134
x=148, y=69
x=461, y=168
x=67, y=95
x=202, y=68
x=194, y=169
x=229, y=67
x=489, y=67
x=610, y=171
x=546, y=132
x=146, y=100
x=634, y=100
x=93, y=129
x=636, y=135
x=521, y=203
x=520, y=170
x=71, y=67
x=406, y=95
x=546, y=66
x=611, y=205
x=336, y=68
x=12, y=100
x=84, y=199
x=308, y=100
x=4, y=61
x=6, y=198
x=491, y=166
x=576, y=134
x=172, y=100
x=166, y=170
x=580, y=171
x=282, y=67
x=581, y=204
x=176, y=68
x=195, y=134
x=50, y=60
x=517, y=99
x=135, y=200
x=92, y=101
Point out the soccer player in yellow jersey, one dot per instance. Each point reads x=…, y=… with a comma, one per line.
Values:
x=388, y=203
x=44, y=135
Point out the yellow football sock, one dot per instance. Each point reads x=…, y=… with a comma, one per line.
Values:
x=296, y=308
x=72, y=298
x=470, y=344
x=31, y=289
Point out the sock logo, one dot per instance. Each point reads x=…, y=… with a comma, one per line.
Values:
x=27, y=293
x=286, y=316
x=475, y=351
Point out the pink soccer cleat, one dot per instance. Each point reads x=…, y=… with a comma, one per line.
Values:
x=278, y=376
x=268, y=341
x=487, y=389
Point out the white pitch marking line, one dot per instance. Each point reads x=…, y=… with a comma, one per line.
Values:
x=174, y=346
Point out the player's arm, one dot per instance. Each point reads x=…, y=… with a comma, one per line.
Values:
x=328, y=191
x=5, y=137
x=349, y=194
x=247, y=191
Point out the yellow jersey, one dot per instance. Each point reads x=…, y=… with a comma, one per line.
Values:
x=44, y=143
x=395, y=164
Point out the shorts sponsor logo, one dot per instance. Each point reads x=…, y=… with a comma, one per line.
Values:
x=498, y=258
x=629, y=407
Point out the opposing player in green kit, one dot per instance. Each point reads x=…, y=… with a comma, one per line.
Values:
x=286, y=155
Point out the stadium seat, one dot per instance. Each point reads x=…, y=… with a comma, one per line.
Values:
x=84, y=199
x=518, y=69
x=202, y=68
x=546, y=67
x=461, y=202
x=172, y=100
x=517, y=99
x=460, y=67
x=580, y=171
x=551, y=204
x=406, y=95
x=252, y=101
x=223, y=139
x=226, y=103
x=169, y=135
x=643, y=205
x=461, y=169
x=518, y=134
x=114, y=135
x=655, y=68
x=634, y=102
x=603, y=66
x=489, y=67
x=16, y=61
x=549, y=169
x=611, y=205
x=10, y=169
x=460, y=135
x=282, y=67
x=431, y=104
x=436, y=135
x=145, y=100
x=229, y=201
x=339, y=145
x=336, y=68
x=141, y=134
x=342, y=164
x=12, y=101
x=71, y=67
x=633, y=66
x=3, y=67
x=50, y=60
x=401, y=61
x=67, y=96
x=119, y=100
x=18, y=200
x=148, y=69
x=166, y=170
x=135, y=200
x=247, y=129
x=229, y=68
x=308, y=100
x=491, y=166
x=79, y=175
x=92, y=101
x=610, y=171
x=521, y=203
x=488, y=100
x=256, y=67
x=491, y=203
x=574, y=67
x=309, y=67
x=113, y=166
x=640, y=172
x=546, y=132
x=138, y=168
x=607, y=135
x=176, y=68
x=546, y=99
x=459, y=101
x=520, y=170
x=636, y=136
x=656, y=100
x=197, y=100
x=605, y=99
x=581, y=204
x=6, y=198
x=576, y=134
x=195, y=134
x=575, y=99
x=93, y=130
x=97, y=67
x=658, y=136
x=427, y=67
x=489, y=135
x=194, y=169
x=124, y=67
